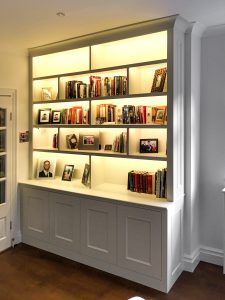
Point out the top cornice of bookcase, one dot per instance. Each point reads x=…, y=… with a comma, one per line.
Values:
x=113, y=34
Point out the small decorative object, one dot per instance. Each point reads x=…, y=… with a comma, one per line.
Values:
x=159, y=80
x=119, y=118
x=99, y=121
x=86, y=175
x=68, y=172
x=148, y=145
x=55, y=141
x=108, y=147
x=56, y=116
x=46, y=168
x=88, y=141
x=46, y=93
x=44, y=116
x=71, y=141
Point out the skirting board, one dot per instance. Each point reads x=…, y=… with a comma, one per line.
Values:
x=17, y=237
x=190, y=262
x=206, y=254
x=211, y=255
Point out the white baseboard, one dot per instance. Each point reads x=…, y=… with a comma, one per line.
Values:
x=190, y=262
x=17, y=237
x=211, y=255
x=206, y=254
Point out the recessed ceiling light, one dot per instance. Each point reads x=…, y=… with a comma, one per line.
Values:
x=60, y=14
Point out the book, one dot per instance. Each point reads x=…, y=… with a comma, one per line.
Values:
x=148, y=114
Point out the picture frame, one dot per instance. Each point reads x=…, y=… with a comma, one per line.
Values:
x=86, y=175
x=44, y=116
x=71, y=141
x=149, y=145
x=108, y=147
x=46, y=93
x=56, y=117
x=68, y=172
x=46, y=168
x=159, y=80
x=88, y=141
x=160, y=116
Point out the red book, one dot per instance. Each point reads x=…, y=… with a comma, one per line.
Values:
x=141, y=182
x=149, y=183
x=144, y=114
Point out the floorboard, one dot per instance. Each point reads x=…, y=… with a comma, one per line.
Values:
x=30, y=273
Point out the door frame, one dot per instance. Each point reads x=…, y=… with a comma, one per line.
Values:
x=12, y=95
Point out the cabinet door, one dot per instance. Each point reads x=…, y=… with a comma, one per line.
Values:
x=35, y=211
x=139, y=240
x=98, y=230
x=65, y=221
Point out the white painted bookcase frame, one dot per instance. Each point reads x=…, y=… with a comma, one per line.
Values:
x=155, y=259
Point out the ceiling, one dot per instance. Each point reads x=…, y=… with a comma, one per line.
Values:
x=30, y=23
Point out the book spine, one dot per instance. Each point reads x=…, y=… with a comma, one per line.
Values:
x=148, y=114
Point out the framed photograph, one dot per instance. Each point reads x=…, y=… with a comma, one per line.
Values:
x=88, y=141
x=159, y=80
x=44, y=116
x=46, y=168
x=160, y=116
x=71, y=141
x=108, y=147
x=86, y=175
x=68, y=172
x=46, y=93
x=56, y=116
x=148, y=145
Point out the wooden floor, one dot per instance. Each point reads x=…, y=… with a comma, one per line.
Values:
x=29, y=273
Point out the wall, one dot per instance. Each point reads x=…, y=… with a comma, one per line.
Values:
x=14, y=75
x=212, y=144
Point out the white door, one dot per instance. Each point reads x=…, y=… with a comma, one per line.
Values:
x=5, y=169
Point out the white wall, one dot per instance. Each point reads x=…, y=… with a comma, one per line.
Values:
x=212, y=140
x=14, y=75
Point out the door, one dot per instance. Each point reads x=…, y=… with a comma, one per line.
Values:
x=140, y=240
x=5, y=169
x=98, y=230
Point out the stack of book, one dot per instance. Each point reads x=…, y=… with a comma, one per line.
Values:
x=75, y=115
x=76, y=89
x=161, y=183
x=149, y=183
x=105, y=113
x=98, y=87
x=120, y=143
x=108, y=86
x=141, y=182
x=143, y=114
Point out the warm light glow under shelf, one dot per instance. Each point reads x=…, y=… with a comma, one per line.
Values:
x=143, y=48
x=61, y=62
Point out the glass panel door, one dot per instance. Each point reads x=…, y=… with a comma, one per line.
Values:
x=2, y=155
x=2, y=192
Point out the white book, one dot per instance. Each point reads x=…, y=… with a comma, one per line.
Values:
x=148, y=114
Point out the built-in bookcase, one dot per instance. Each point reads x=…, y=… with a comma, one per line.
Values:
x=133, y=53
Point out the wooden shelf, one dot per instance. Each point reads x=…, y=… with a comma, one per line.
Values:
x=155, y=94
